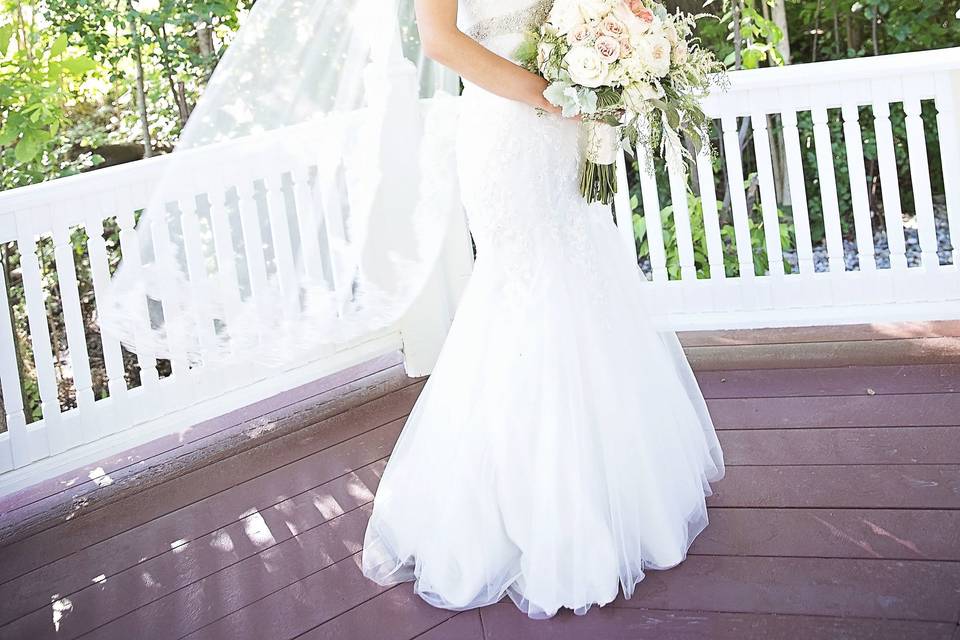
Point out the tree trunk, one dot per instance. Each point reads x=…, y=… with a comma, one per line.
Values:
x=780, y=19
x=816, y=30
x=141, y=93
x=737, y=34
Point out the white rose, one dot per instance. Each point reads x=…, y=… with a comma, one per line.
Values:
x=565, y=16
x=654, y=53
x=586, y=67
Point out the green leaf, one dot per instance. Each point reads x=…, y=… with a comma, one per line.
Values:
x=28, y=149
x=59, y=45
x=8, y=135
x=6, y=33
x=80, y=65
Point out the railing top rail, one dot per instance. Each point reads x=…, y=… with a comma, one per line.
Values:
x=857, y=69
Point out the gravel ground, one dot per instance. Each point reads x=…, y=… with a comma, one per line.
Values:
x=882, y=250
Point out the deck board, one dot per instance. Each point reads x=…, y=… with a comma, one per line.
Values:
x=189, y=490
x=398, y=612
x=839, y=587
x=617, y=623
x=893, y=534
x=839, y=515
x=847, y=446
x=894, y=410
x=109, y=478
x=832, y=486
x=830, y=381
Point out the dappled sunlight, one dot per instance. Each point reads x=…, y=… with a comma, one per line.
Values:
x=148, y=580
x=327, y=506
x=221, y=541
x=257, y=530
x=880, y=531
x=179, y=545
x=839, y=533
x=61, y=608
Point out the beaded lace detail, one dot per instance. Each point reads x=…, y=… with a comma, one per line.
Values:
x=514, y=22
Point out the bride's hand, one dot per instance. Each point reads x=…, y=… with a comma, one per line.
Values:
x=545, y=106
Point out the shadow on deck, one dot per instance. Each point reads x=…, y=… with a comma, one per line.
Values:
x=839, y=516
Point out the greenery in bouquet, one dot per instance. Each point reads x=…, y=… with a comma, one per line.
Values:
x=632, y=71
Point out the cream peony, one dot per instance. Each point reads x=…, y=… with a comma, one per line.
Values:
x=565, y=16
x=586, y=67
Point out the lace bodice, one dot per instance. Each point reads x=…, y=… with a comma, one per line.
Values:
x=499, y=24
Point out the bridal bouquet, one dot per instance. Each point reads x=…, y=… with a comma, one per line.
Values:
x=631, y=70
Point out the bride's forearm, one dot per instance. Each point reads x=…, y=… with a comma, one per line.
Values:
x=444, y=43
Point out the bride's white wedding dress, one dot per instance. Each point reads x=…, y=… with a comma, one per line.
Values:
x=561, y=446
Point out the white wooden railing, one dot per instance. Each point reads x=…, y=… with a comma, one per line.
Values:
x=226, y=179
x=259, y=188
x=806, y=296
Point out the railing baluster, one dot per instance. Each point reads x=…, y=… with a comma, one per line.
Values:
x=224, y=249
x=948, y=94
x=196, y=272
x=333, y=225
x=73, y=323
x=100, y=277
x=858, y=186
x=920, y=180
x=623, y=207
x=889, y=185
x=43, y=356
x=798, y=193
x=768, y=194
x=677, y=175
x=828, y=190
x=175, y=324
x=307, y=223
x=651, y=215
x=15, y=414
x=130, y=250
x=738, y=198
x=282, y=245
x=711, y=214
x=252, y=238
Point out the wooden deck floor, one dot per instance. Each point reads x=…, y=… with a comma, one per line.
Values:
x=839, y=518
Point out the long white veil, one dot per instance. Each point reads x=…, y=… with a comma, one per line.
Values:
x=309, y=196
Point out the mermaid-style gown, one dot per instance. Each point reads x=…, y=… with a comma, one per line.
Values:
x=561, y=446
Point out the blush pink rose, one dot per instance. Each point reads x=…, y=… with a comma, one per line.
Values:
x=638, y=9
x=579, y=35
x=612, y=27
x=608, y=48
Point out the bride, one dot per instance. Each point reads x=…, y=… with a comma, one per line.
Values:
x=561, y=447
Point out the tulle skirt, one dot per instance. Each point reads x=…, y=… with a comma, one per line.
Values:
x=561, y=446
